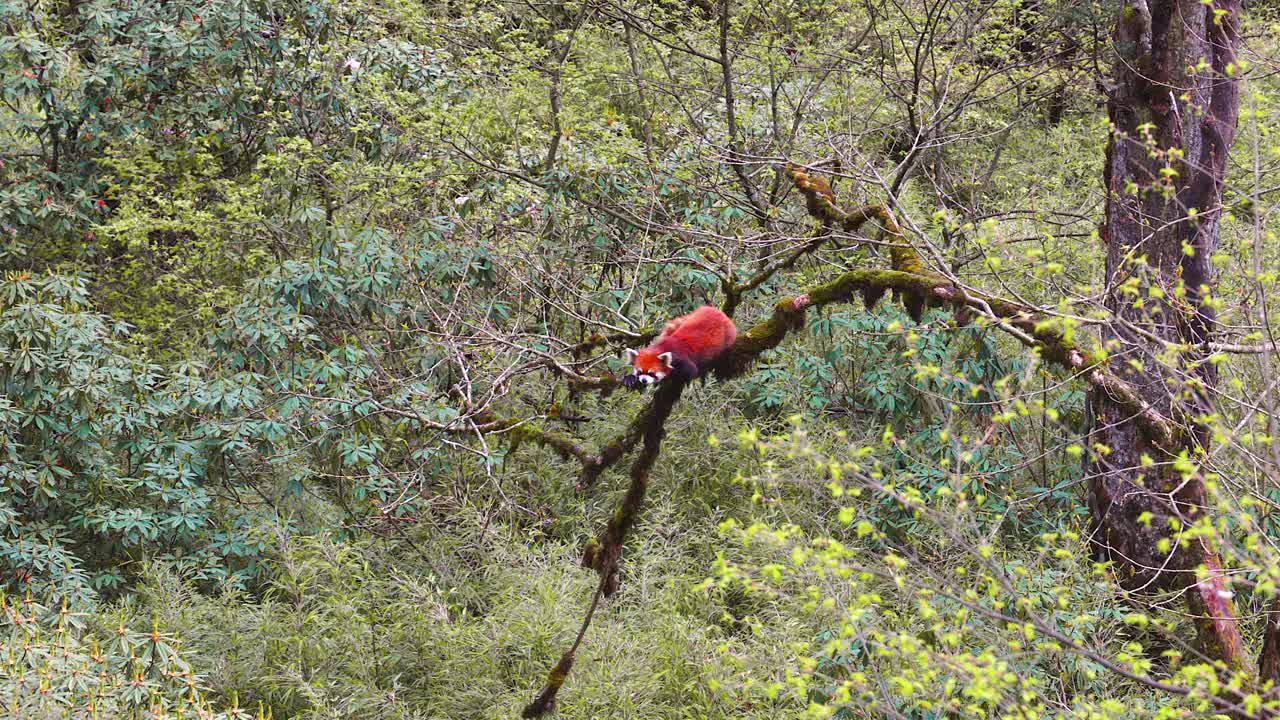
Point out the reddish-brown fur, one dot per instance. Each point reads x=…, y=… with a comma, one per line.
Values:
x=693, y=340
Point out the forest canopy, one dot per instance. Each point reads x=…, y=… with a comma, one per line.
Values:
x=313, y=333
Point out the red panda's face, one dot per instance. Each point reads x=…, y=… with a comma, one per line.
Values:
x=651, y=366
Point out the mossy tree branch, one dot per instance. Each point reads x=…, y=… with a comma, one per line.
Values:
x=820, y=200
x=603, y=553
x=914, y=285
x=523, y=431
x=918, y=287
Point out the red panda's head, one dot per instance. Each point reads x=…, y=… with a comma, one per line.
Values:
x=651, y=366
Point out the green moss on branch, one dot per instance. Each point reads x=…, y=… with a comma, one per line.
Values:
x=820, y=202
x=522, y=430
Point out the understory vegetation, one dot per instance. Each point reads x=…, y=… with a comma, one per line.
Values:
x=312, y=320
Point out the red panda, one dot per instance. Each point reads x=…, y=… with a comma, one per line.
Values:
x=687, y=345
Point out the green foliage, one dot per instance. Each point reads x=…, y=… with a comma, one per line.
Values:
x=55, y=666
x=81, y=82
x=949, y=620
x=101, y=462
x=407, y=631
x=288, y=287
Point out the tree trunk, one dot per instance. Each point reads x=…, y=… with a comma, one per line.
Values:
x=1173, y=115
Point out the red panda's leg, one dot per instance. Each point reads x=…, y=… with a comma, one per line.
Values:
x=685, y=368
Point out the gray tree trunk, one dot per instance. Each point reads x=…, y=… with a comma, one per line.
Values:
x=1173, y=114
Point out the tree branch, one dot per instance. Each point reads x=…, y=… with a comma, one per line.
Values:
x=914, y=286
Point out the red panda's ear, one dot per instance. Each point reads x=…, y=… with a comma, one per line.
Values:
x=631, y=354
x=666, y=359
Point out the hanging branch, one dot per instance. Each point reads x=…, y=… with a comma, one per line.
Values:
x=603, y=553
x=545, y=700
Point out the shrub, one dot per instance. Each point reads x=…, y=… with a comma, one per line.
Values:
x=52, y=666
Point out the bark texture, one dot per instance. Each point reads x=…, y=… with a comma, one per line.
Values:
x=1173, y=113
